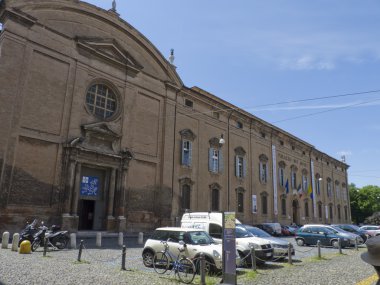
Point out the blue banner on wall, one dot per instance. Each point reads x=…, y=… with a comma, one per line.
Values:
x=89, y=186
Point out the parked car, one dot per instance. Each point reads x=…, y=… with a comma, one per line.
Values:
x=273, y=229
x=353, y=229
x=212, y=223
x=285, y=231
x=292, y=229
x=327, y=235
x=371, y=230
x=196, y=241
x=280, y=246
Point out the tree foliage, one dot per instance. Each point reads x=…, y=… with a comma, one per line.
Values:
x=364, y=202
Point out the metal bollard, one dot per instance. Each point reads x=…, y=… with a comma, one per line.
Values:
x=290, y=260
x=356, y=243
x=140, y=239
x=80, y=250
x=253, y=259
x=202, y=270
x=15, y=240
x=45, y=246
x=124, y=251
x=73, y=241
x=5, y=240
x=120, y=241
x=340, y=246
x=319, y=249
x=99, y=239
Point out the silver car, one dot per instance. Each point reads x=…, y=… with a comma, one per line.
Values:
x=280, y=246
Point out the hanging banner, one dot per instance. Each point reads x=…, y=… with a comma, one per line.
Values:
x=274, y=164
x=89, y=186
x=254, y=204
x=314, y=198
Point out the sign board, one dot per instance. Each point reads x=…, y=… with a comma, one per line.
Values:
x=229, y=248
x=89, y=186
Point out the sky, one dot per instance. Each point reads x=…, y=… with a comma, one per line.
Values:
x=311, y=68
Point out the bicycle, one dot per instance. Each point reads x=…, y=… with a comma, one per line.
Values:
x=181, y=265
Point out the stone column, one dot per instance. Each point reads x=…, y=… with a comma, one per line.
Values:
x=121, y=204
x=74, y=208
x=69, y=188
x=111, y=194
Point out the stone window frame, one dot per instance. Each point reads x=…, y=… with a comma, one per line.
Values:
x=91, y=107
x=329, y=188
x=283, y=204
x=338, y=210
x=318, y=184
x=187, y=139
x=185, y=181
x=264, y=203
x=240, y=191
x=215, y=162
x=320, y=210
x=240, y=163
x=337, y=190
x=263, y=169
x=281, y=173
x=293, y=176
x=305, y=180
x=215, y=188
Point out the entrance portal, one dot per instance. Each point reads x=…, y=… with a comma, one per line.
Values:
x=86, y=218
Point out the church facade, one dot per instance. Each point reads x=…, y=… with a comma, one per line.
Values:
x=98, y=132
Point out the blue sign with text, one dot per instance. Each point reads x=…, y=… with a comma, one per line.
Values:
x=89, y=186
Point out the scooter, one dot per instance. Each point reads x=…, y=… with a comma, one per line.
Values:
x=28, y=232
x=54, y=237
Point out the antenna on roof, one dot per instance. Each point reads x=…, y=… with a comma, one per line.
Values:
x=343, y=158
x=171, y=57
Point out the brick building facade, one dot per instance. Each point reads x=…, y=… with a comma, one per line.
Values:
x=98, y=132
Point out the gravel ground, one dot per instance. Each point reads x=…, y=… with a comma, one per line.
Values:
x=102, y=266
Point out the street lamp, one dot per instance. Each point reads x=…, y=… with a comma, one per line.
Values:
x=222, y=140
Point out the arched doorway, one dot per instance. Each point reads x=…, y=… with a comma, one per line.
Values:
x=295, y=216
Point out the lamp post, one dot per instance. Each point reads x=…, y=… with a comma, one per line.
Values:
x=222, y=141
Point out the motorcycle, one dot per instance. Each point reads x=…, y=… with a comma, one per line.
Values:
x=54, y=237
x=28, y=232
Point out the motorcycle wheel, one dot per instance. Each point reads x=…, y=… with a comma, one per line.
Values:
x=35, y=244
x=60, y=242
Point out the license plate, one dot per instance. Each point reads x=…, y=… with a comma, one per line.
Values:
x=269, y=254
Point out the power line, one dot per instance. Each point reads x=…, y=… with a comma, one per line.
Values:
x=325, y=111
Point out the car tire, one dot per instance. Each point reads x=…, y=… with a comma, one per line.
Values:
x=335, y=243
x=148, y=258
x=300, y=242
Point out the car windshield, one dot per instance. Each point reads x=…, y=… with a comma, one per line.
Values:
x=337, y=229
x=355, y=227
x=242, y=232
x=257, y=232
x=200, y=237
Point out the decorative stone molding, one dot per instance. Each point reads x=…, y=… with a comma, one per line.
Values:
x=240, y=190
x=214, y=142
x=304, y=171
x=215, y=186
x=187, y=134
x=282, y=164
x=294, y=168
x=337, y=182
x=240, y=151
x=263, y=158
x=186, y=181
x=264, y=193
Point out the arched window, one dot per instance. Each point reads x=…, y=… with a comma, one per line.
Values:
x=263, y=168
x=293, y=176
x=329, y=188
x=281, y=173
x=304, y=180
x=318, y=183
x=215, y=156
x=240, y=200
x=264, y=203
x=320, y=210
x=283, y=205
x=240, y=163
x=306, y=209
x=186, y=196
x=187, y=138
x=338, y=210
x=331, y=211
x=345, y=213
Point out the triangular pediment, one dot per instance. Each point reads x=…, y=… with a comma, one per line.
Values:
x=101, y=129
x=110, y=51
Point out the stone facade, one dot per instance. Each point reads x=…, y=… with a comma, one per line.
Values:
x=98, y=132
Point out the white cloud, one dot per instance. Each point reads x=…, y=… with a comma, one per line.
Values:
x=344, y=153
x=306, y=62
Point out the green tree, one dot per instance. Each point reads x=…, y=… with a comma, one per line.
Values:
x=364, y=201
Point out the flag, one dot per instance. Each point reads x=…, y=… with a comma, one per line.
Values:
x=287, y=186
x=299, y=190
x=310, y=192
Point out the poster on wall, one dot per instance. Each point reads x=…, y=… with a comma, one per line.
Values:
x=89, y=186
x=254, y=204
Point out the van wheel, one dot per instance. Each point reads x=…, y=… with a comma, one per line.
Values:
x=300, y=242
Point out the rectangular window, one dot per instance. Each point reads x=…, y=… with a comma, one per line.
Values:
x=306, y=209
x=264, y=204
x=188, y=103
x=186, y=152
x=318, y=184
x=283, y=207
x=263, y=172
x=304, y=183
x=329, y=189
x=320, y=211
x=240, y=166
x=239, y=125
x=240, y=202
x=281, y=176
x=294, y=179
x=215, y=200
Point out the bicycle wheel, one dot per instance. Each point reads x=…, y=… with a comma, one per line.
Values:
x=186, y=270
x=160, y=262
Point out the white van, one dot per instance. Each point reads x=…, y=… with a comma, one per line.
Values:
x=212, y=222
